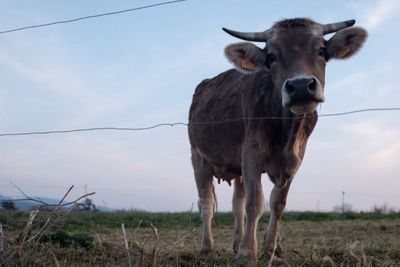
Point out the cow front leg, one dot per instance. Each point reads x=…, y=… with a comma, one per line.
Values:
x=277, y=204
x=238, y=203
x=254, y=199
x=204, y=180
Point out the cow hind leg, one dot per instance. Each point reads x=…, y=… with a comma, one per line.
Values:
x=238, y=203
x=203, y=174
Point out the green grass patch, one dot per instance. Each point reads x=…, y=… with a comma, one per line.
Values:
x=85, y=221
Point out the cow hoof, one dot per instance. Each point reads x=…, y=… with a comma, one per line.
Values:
x=279, y=251
x=244, y=261
x=207, y=251
x=269, y=250
x=267, y=259
x=236, y=247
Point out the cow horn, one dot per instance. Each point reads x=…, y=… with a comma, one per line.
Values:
x=334, y=27
x=249, y=36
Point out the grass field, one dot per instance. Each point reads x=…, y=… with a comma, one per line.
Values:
x=172, y=239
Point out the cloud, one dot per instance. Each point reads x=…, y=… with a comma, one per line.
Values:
x=385, y=158
x=54, y=79
x=145, y=165
x=378, y=14
x=154, y=84
x=355, y=82
x=376, y=147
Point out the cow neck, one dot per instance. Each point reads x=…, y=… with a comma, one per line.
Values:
x=286, y=130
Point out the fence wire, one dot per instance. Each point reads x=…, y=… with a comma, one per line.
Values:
x=205, y=123
x=89, y=17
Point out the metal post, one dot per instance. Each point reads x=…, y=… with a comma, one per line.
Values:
x=1, y=238
x=343, y=201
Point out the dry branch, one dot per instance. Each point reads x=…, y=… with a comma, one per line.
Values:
x=328, y=260
x=141, y=250
x=99, y=240
x=137, y=227
x=41, y=231
x=65, y=195
x=56, y=263
x=28, y=228
x=140, y=246
x=155, y=249
x=362, y=259
x=57, y=206
x=180, y=240
x=1, y=238
x=126, y=244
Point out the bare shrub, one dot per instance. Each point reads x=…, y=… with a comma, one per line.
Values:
x=343, y=208
x=384, y=208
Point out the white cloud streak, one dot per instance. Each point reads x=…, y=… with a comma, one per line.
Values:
x=381, y=12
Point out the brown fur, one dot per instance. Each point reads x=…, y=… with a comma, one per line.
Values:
x=295, y=23
x=243, y=149
x=232, y=95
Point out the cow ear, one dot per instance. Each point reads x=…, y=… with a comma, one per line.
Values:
x=346, y=43
x=246, y=57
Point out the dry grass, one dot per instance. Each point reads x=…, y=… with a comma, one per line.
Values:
x=305, y=243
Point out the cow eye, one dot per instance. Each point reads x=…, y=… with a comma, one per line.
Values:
x=271, y=58
x=322, y=52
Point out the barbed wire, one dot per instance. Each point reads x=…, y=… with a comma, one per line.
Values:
x=90, y=17
x=196, y=123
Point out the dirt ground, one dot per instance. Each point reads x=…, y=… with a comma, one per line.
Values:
x=337, y=243
x=305, y=243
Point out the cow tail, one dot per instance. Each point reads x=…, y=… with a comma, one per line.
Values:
x=215, y=201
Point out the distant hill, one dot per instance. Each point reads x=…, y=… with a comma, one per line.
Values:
x=27, y=205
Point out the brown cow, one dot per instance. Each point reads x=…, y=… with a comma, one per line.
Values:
x=284, y=80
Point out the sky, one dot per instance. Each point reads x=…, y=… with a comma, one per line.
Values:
x=141, y=68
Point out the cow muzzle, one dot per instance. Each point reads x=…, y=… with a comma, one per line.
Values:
x=302, y=94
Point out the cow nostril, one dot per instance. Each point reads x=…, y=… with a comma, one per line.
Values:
x=312, y=85
x=290, y=89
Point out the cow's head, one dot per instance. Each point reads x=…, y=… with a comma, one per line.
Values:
x=295, y=55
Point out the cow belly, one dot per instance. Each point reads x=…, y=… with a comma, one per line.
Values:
x=216, y=131
x=223, y=160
